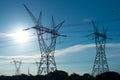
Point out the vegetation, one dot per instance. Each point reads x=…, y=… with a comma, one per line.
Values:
x=61, y=75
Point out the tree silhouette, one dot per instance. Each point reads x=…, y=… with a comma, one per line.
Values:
x=62, y=75
x=108, y=76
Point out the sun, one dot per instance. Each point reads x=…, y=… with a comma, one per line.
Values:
x=20, y=36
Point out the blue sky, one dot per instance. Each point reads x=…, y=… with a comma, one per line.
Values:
x=74, y=53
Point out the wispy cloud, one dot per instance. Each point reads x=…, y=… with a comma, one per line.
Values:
x=62, y=52
x=116, y=45
x=4, y=34
x=113, y=50
x=20, y=56
x=87, y=20
x=25, y=59
x=73, y=49
x=78, y=48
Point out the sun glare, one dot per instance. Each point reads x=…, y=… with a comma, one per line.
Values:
x=21, y=36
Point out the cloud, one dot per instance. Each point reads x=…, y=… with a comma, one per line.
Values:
x=20, y=56
x=20, y=34
x=3, y=34
x=65, y=51
x=112, y=49
x=25, y=59
x=4, y=61
x=116, y=45
x=73, y=49
x=86, y=20
x=62, y=52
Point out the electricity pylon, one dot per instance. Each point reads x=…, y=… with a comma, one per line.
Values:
x=17, y=66
x=47, y=61
x=37, y=64
x=100, y=63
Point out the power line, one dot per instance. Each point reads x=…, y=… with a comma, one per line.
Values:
x=68, y=31
x=87, y=23
x=76, y=31
x=115, y=35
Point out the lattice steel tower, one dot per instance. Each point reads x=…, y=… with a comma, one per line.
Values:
x=47, y=62
x=17, y=66
x=100, y=63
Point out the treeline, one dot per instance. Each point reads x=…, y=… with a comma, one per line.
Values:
x=61, y=75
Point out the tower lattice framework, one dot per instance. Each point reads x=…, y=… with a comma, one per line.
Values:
x=17, y=66
x=47, y=61
x=100, y=62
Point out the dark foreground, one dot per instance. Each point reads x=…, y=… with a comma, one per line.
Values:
x=61, y=75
